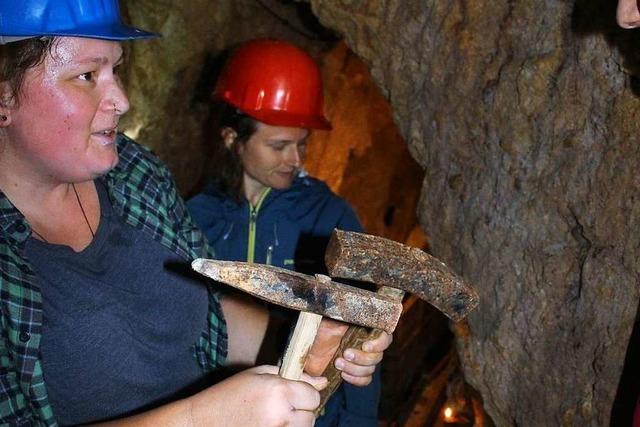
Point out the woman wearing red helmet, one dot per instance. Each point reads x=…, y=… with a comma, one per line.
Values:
x=259, y=205
x=100, y=317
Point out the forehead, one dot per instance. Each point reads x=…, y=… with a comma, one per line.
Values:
x=282, y=133
x=70, y=50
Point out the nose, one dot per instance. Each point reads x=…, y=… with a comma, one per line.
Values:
x=115, y=98
x=628, y=14
x=294, y=156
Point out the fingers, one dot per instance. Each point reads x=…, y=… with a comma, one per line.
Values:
x=357, y=381
x=317, y=382
x=302, y=397
x=370, y=354
x=379, y=344
x=359, y=374
x=325, y=345
x=357, y=366
x=358, y=363
x=264, y=369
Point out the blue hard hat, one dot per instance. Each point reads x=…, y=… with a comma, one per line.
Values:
x=22, y=19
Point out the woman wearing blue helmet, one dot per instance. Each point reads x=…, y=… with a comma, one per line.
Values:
x=99, y=320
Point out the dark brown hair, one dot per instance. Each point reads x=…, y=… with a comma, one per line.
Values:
x=226, y=169
x=17, y=57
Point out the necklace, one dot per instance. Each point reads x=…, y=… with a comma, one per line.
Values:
x=83, y=214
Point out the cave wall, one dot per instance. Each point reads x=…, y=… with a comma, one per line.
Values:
x=523, y=118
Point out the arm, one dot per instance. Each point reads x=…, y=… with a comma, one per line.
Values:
x=256, y=397
x=247, y=323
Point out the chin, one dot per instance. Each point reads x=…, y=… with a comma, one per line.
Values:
x=281, y=185
x=105, y=167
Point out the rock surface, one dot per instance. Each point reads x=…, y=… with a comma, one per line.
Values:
x=522, y=118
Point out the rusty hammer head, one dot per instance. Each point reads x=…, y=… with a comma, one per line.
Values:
x=374, y=259
x=305, y=293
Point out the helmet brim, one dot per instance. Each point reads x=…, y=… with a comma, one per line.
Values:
x=105, y=32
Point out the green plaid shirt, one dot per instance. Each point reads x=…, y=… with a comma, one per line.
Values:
x=143, y=193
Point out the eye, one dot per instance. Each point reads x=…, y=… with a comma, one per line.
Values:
x=88, y=76
x=278, y=146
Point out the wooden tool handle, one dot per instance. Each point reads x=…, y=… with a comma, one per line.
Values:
x=298, y=347
x=353, y=338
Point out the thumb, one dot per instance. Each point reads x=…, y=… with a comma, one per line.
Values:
x=319, y=383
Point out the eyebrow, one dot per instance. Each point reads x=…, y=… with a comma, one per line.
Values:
x=101, y=60
x=287, y=141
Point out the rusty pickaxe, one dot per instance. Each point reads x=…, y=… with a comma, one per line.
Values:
x=349, y=255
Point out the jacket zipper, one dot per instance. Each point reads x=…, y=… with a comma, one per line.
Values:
x=253, y=217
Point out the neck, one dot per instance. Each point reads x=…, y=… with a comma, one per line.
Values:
x=24, y=181
x=48, y=202
x=66, y=214
x=253, y=191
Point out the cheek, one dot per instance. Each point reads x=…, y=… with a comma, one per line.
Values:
x=50, y=109
x=260, y=160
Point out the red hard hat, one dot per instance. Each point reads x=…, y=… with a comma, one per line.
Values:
x=274, y=82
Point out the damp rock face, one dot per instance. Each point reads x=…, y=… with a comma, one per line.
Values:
x=521, y=115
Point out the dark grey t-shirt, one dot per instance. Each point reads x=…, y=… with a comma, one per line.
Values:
x=120, y=320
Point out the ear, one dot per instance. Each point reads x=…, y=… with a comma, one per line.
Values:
x=6, y=104
x=228, y=137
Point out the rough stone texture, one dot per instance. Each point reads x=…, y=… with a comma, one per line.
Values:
x=520, y=114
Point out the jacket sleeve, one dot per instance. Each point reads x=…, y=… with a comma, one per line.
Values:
x=14, y=407
x=348, y=221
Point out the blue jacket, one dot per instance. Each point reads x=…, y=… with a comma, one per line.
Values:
x=288, y=228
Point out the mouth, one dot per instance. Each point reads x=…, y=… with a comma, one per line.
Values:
x=106, y=136
x=287, y=173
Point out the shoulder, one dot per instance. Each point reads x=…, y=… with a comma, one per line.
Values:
x=210, y=198
x=136, y=159
x=310, y=191
x=319, y=207
x=310, y=187
x=141, y=174
x=204, y=208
